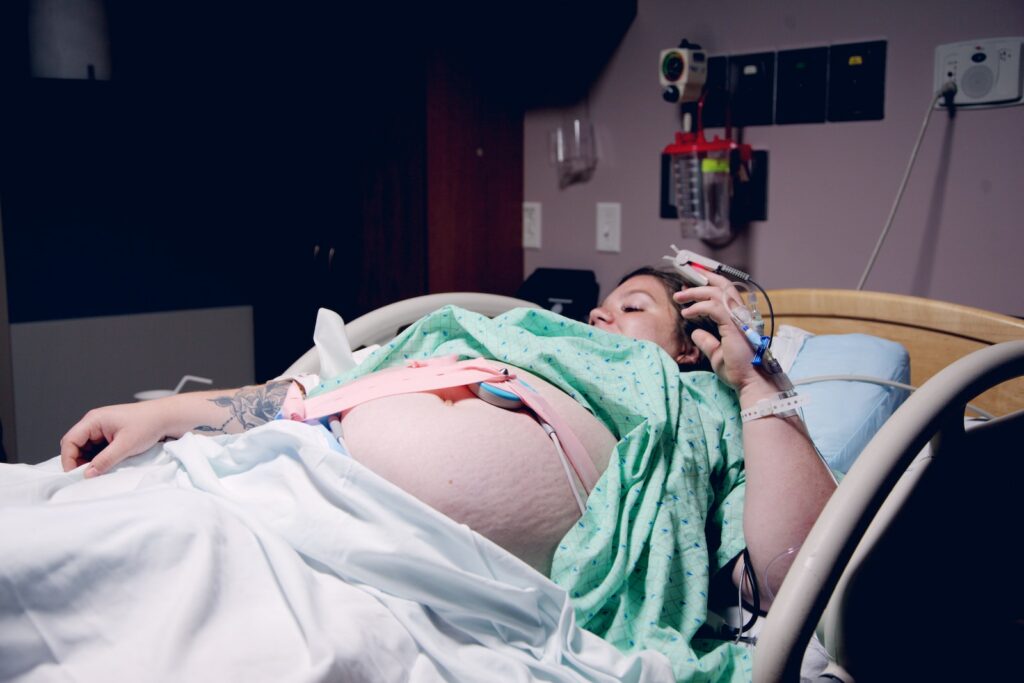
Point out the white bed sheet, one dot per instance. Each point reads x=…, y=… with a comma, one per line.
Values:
x=269, y=556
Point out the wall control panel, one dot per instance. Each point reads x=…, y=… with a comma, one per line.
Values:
x=987, y=72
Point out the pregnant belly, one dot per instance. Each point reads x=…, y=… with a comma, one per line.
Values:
x=494, y=470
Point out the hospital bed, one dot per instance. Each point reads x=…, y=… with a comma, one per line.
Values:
x=878, y=532
x=958, y=354
x=991, y=347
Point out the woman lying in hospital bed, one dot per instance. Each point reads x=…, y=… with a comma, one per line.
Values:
x=685, y=493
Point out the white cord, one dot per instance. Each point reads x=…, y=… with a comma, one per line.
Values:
x=903, y=184
x=854, y=378
x=884, y=382
x=565, y=466
x=802, y=426
x=335, y=424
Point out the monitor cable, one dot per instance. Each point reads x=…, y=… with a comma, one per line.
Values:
x=947, y=92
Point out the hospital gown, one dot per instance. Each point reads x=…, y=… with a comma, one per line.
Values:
x=667, y=512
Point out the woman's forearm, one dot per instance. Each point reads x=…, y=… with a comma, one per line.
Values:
x=226, y=411
x=106, y=436
x=788, y=484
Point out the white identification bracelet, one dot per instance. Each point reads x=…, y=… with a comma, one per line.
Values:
x=783, y=405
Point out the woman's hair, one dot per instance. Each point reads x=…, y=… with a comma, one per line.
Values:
x=673, y=282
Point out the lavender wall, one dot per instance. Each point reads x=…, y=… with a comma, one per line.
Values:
x=959, y=232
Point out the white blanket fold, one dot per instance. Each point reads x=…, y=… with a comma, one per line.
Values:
x=271, y=555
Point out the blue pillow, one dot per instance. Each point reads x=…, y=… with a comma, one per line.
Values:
x=843, y=416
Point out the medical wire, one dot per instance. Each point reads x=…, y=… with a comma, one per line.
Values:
x=490, y=394
x=802, y=426
x=780, y=378
x=947, y=87
x=742, y=286
x=884, y=382
x=771, y=311
x=335, y=424
x=565, y=466
x=755, y=595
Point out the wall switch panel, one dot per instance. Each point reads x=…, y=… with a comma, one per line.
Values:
x=801, y=90
x=752, y=83
x=531, y=225
x=812, y=85
x=739, y=90
x=609, y=226
x=987, y=72
x=856, y=81
x=716, y=94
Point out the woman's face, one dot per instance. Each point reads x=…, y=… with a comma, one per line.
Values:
x=641, y=308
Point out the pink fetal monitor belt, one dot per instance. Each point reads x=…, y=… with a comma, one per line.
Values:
x=488, y=380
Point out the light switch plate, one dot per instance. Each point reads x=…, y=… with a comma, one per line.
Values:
x=801, y=85
x=531, y=225
x=609, y=226
x=752, y=81
x=856, y=81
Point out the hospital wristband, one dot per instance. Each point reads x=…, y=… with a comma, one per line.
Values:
x=783, y=405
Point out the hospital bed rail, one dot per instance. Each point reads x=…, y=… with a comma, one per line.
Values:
x=382, y=324
x=815, y=592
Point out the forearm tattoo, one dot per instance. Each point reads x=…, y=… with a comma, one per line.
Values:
x=249, y=406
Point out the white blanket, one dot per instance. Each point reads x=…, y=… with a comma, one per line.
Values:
x=269, y=556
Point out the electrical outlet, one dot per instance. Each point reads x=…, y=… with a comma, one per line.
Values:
x=609, y=226
x=531, y=225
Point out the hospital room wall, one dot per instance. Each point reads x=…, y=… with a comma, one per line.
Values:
x=956, y=236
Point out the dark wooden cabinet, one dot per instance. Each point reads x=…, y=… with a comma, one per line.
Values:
x=423, y=194
x=283, y=158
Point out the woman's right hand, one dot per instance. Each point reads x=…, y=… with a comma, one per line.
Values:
x=106, y=436
x=730, y=355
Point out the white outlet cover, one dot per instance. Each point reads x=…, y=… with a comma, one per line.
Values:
x=987, y=72
x=531, y=225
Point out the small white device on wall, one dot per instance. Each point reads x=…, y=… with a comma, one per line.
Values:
x=987, y=72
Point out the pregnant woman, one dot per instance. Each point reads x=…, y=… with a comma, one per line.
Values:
x=684, y=495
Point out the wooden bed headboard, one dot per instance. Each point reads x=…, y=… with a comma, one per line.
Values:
x=935, y=333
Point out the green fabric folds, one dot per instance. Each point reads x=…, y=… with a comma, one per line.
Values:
x=667, y=512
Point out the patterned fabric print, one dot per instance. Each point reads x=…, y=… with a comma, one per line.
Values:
x=665, y=515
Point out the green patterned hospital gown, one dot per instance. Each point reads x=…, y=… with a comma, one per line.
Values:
x=667, y=512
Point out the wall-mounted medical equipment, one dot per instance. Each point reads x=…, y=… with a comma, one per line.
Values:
x=987, y=72
x=711, y=186
x=573, y=151
x=701, y=181
x=683, y=72
x=833, y=83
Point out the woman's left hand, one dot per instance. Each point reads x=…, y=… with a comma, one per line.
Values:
x=731, y=356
